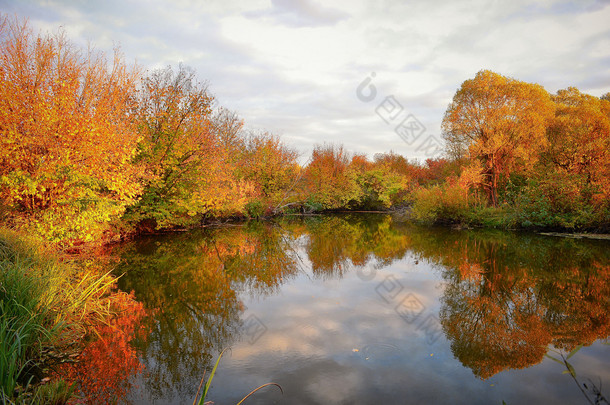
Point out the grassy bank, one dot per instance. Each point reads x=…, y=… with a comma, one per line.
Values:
x=47, y=307
x=534, y=209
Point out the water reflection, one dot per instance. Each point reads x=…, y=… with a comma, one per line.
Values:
x=192, y=282
x=106, y=366
x=503, y=298
x=509, y=296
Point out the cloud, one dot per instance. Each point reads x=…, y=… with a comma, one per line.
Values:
x=293, y=67
x=299, y=13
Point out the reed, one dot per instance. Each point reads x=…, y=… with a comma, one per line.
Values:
x=201, y=400
x=46, y=308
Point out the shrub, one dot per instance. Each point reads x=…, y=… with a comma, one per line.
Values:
x=557, y=200
x=446, y=203
x=255, y=209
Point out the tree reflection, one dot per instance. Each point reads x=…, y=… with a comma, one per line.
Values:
x=106, y=368
x=337, y=243
x=509, y=296
x=191, y=283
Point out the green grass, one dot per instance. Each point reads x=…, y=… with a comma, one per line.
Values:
x=46, y=308
x=23, y=332
x=201, y=400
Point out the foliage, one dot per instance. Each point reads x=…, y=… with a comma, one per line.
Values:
x=67, y=135
x=335, y=179
x=557, y=200
x=91, y=152
x=500, y=122
x=579, y=142
x=542, y=161
x=185, y=174
x=255, y=209
x=381, y=188
x=23, y=328
x=444, y=203
x=329, y=180
x=46, y=309
x=270, y=165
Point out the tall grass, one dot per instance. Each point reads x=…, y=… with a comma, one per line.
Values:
x=201, y=400
x=22, y=329
x=46, y=308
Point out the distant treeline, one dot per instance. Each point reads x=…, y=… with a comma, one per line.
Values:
x=95, y=149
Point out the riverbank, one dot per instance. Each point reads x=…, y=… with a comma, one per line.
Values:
x=450, y=204
x=49, y=304
x=465, y=217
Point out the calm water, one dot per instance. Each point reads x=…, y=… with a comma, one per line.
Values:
x=364, y=309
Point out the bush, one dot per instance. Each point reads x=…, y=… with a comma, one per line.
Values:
x=255, y=209
x=381, y=188
x=491, y=217
x=557, y=201
x=311, y=205
x=68, y=135
x=446, y=203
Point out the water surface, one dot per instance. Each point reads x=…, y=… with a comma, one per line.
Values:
x=361, y=309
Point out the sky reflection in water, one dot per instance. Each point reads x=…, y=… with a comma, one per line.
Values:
x=366, y=309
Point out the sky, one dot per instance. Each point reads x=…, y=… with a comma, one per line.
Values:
x=373, y=75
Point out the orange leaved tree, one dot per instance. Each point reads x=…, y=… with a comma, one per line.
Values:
x=67, y=137
x=188, y=149
x=270, y=166
x=329, y=179
x=499, y=121
x=579, y=139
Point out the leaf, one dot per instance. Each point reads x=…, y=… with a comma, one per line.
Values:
x=571, y=369
x=208, y=383
x=554, y=359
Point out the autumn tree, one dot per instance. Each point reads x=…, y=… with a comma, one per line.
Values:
x=397, y=163
x=381, y=186
x=173, y=118
x=498, y=122
x=270, y=166
x=328, y=179
x=412, y=170
x=579, y=137
x=186, y=148
x=67, y=135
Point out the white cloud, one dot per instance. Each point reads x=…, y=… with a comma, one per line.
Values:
x=293, y=67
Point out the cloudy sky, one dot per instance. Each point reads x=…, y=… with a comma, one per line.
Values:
x=293, y=67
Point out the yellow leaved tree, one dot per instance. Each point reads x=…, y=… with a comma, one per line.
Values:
x=499, y=121
x=67, y=138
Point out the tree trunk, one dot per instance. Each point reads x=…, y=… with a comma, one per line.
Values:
x=491, y=176
x=491, y=185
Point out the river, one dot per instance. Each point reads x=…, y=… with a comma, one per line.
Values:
x=363, y=309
